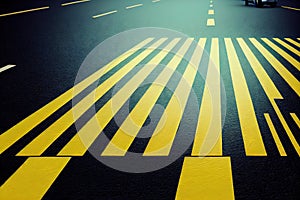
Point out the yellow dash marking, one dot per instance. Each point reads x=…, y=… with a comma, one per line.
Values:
x=285, y=74
x=22, y=128
x=269, y=88
x=211, y=12
x=210, y=22
x=155, y=1
x=211, y=5
x=253, y=142
x=104, y=14
x=25, y=11
x=74, y=2
x=275, y=135
x=47, y=137
x=208, y=138
x=161, y=142
x=128, y=130
x=86, y=136
x=285, y=55
x=291, y=8
x=293, y=42
x=134, y=6
x=33, y=178
x=289, y=47
x=296, y=119
x=205, y=178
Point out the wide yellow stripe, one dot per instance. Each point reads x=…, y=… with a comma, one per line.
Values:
x=12, y=135
x=129, y=129
x=285, y=55
x=47, y=137
x=86, y=136
x=205, y=178
x=289, y=47
x=293, y=42
x=253, y=142
x=33, y=178
x=208, y=138
x=296, y=119
x=275, y=135
x=269, y=88
x=284, y=73
x=161, y=142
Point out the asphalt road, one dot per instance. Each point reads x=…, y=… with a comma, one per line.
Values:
x=48, y=46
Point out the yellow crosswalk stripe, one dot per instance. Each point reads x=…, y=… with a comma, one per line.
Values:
x=289, y=47
x=205, y=178
x=285, y=55
x=12, y=135
x=88, y=133
x=33, y=178
x=296, y=119
x=128, y=131
x=253, y=142
x=269, y=88
x=47, y=137
x=293, y=42
x=275, y=135
x=285, y=74
x=208, y=138
x=160, y=144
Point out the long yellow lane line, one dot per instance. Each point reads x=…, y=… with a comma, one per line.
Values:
x=25, y=11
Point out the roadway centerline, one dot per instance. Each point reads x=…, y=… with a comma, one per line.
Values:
x=74, y=2
x=2, y=69
x=211, y=12
x=25, y=11
x=155, y=1
x=104, y=14
x=290, y=8
x=134, y=6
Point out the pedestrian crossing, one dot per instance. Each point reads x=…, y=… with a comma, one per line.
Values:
x=272, y=61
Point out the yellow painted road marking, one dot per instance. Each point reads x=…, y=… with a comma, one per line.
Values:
x=155, y=1
x=160, y=144
x=74, y=2
x=88, y=133
x=285, y=55
x=22, y=128
x=211, y=12
x=210, y=22
x=47, y=137
x=275, y=135
x=2, y=69
x=104, y=14
x=292, y=49
x=291, y=8
x=128, y=131
x=208, y=138
x=253, y=142
x=285, y=74
x=269, y=88
x=205, y=178
x=211, y=5
x=33, y=178
x=296, y=119
x=134, y=6
x=25, y=11
x=293, y=42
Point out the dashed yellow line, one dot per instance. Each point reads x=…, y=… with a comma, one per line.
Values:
x=211, y=12
x=155, y=1
x=25, y=11
x=275, y=135
x=134, y=6
x=210, y=22
x=74, y=2
x=104, y=14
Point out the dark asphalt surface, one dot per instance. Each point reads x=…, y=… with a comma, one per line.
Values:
x=49, y=46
